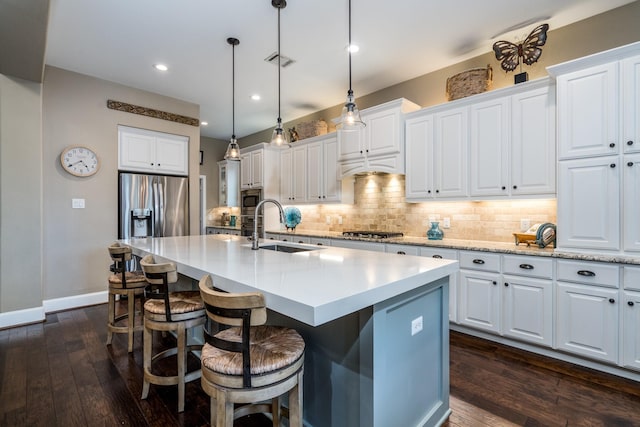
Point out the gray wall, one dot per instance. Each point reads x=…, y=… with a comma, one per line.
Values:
x=213, y=151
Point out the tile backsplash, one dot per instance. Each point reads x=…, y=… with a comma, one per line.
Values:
x=379, y=205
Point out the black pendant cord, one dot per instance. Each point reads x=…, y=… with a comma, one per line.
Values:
x=349, y=50
x=233, y=91
x=279, y=89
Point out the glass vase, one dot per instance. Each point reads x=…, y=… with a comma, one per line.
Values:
x=434, y=232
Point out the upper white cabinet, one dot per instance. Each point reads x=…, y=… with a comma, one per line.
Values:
x=379, y=147
x=598, y=130
x=228, y=183
x=251, y=169
x=293, y=175
x=143, y=150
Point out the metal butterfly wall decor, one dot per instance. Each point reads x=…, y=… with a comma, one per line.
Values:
x=512, y=54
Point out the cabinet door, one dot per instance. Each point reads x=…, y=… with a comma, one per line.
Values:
x=450, y=153
x=588, y=116
x=419, y=174
x=331, y=183
x=172, y=154
x=257, y=171
x=349, y=144
x=245, y=171
x=631, y=330
x=479, y=300
x=527, y=309
x=299, y=178
x=382, y=133
x=631, y=104
x=136, y=151
x=314, y=172
x=589, y=203
x=631, y=202
x=587, y=321
x=286, y=173
x=533, y=143
x=490, y=148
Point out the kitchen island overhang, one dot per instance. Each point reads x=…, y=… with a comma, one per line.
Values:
x=376, y=324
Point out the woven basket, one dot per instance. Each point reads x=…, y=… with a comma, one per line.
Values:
x=469, y=82
x=311, y=128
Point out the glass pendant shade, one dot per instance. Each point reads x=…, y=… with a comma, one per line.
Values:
x=279, y=137
x=350, y=118
x=233, y=150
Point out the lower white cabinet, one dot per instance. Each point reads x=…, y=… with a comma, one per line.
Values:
x=214, y=230
x=479, y=293
x=401, y=249
x=357, y=244
x=631, y=330
x=527, y=307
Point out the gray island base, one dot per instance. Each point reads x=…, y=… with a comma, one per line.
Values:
x=375, y=324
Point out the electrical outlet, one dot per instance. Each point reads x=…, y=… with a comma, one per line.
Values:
x=77, y=203
x=416, y=325
x=328, y=219
x=525, y=224
x=446, y=222
x=339, y=219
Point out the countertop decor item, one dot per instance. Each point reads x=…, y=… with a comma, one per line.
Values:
x=435, y=233
x=529, y=50
x=469, y=82
x=292, y=217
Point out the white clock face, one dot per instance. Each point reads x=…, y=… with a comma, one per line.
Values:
x=79, y=161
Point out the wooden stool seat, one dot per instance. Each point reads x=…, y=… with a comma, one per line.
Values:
x=248, y=362
x=169, y=311
x=127, y=284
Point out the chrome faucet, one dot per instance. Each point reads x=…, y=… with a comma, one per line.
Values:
x=254, y=235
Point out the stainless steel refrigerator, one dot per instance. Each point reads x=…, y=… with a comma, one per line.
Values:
x=152, y=205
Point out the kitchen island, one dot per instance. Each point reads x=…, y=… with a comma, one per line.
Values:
x=375, y=325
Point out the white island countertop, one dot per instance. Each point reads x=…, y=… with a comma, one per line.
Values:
x=313, y=287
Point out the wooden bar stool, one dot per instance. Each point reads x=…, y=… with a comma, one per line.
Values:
x=169, y=311
x=129, y=284
x=249, y=362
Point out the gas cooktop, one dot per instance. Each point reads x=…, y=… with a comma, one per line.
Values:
x=372, y=234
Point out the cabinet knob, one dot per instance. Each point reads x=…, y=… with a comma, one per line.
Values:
x=437, y=256
x=504, y=188
x=429, y=191
x=151, y=164
x=586, y=273
x=478, y=261
x=367, y=150
x=494, y=282
x=612, y=300
x=401, y=253
x=613, y=144
x=612, y=165
x=630, y=164
x=506, y=284
x=437, y=191
x=360, y=151
x=630, y=303
x=526, y=266
x=629, y=142
x=515, y=187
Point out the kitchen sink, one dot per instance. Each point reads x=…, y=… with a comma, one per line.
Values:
x=287, y=248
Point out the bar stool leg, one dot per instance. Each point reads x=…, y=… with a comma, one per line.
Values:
x=131, y=318
x=182, y=364
x=275, y=411
x=146, y=351
x=112, y=316
x=295, y=404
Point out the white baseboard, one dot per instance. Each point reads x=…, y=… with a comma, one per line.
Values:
x=37, y=314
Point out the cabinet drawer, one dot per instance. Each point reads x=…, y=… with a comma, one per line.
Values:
x=401, y=249
x=631, y=278
x=591, y=273
x=530, y=266
x=439, y=253
x=480, y=261
x=319, y=241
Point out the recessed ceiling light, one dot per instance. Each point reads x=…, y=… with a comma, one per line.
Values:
x=204, y=123
x=353, y=48
x=160, y=67
x=255, y=97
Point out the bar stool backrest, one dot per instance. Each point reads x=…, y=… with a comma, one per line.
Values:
x=159, y=276
x=120, y=255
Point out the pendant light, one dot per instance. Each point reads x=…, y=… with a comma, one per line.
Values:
x=350, y=117
x=233, y=150
x=279, y=138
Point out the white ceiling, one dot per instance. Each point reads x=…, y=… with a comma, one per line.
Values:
x=120, y=40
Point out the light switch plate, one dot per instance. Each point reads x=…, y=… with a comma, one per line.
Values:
x=416, y=325
x=77, y=203
x=446, y=222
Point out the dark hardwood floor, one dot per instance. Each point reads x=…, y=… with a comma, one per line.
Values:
x=61, y=373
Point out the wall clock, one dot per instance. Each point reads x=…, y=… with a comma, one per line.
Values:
x=79, y=161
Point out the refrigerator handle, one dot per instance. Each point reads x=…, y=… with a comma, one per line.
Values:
x=158, y=205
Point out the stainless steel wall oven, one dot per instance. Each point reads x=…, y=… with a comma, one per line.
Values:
x=249, y=199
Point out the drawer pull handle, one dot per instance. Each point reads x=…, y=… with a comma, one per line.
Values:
x=478, y=261
x=611, y=300
x=629, y=163
x=586, y=273
x=437, y=256
x=300, y=241
x=401, y=253
x=319, y=243
x=526, y=266
x=630, y=303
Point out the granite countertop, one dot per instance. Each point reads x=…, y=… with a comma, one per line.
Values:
x=315, y=286
x=477, y=245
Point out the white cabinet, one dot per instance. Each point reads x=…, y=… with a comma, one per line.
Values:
x=588, y=309
x=379, y=147
x=394, y=248
x=631, y=202
x=323, y=183
x=589, y=203
x=216, y=230
x=228, y=183
x=527, y=299
x=631, y=318
x=442, y=253
x=358, y=244
x=437, y=162
x=293, y=175
x=513, y=144
x=143, y=150
x=251, y=169
x=479, y=291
